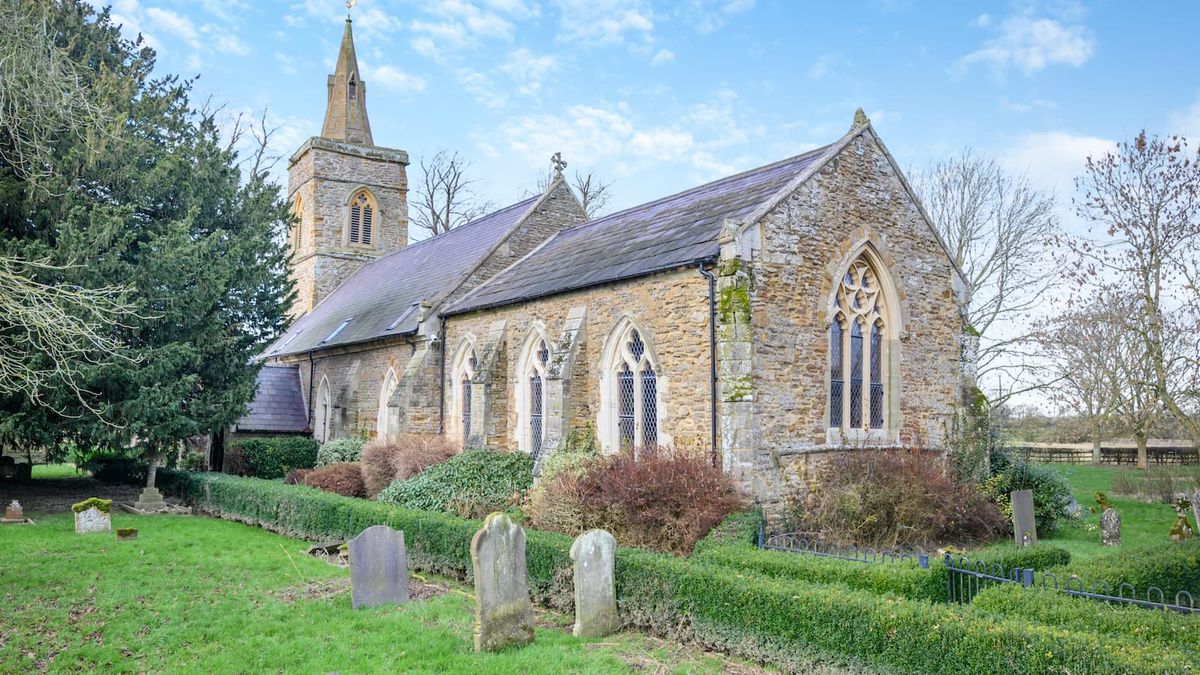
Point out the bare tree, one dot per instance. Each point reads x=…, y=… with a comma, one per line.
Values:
x=998, y=228
x=592, y=190
x=445, y=197
x=1145, y=199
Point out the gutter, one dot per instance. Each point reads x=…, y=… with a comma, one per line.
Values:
x=712, y=353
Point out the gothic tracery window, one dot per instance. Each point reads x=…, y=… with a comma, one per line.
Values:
x=362, y=218
x=385, y=395
x=464, y=376
x=532, y=405
x=634, y=394
x=858, y=351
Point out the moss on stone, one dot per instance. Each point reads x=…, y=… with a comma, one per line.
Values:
x=730, y=267
x=733, y=303
x=124, y=532
x=740, y=388
x=103, y=505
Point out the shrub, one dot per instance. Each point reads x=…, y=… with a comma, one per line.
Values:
x=1051, y=493
x=1172, y=566
x=296, y=476
x=271, y=457
x=193, y=461
x=343, y=478
x=661, y=500
x=894, y=499
x=779, y=621
x=471, y=484
x=340, y=450
x=385, y=460
x=235, y=462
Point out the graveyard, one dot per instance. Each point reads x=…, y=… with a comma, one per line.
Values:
x=403, y=590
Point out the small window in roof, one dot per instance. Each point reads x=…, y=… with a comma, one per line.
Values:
x=340, y=328
x=403, y=315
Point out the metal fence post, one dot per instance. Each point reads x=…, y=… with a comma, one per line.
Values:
x=1027, y=577
x=760, y=534
x=923, y=561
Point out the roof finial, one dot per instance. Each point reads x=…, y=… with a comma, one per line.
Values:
x=349, y=6
x=559, y=164
x=860, y=119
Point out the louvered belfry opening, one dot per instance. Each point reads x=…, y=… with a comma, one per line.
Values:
x=362, y=219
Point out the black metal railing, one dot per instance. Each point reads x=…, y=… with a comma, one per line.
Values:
x=800, y=542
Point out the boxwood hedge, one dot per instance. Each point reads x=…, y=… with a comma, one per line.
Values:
x=784, y=621
x=1172, y=566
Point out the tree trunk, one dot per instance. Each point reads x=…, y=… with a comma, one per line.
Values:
x=152, y=470
x=1143, y=461
x=1096, y=450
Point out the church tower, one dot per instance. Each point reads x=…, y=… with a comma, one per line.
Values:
x=349, y=195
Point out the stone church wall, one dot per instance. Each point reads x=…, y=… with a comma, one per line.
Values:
x=672, y=309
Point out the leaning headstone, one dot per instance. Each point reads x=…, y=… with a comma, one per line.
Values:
x=595, y=595
x=378, y=568
x=1181, y=530
x=1196, y=507
x=13, y=512
x=1024, y=526
x=1110, y=528
x=503, y=612
x=92, y=515
x=1073, y=507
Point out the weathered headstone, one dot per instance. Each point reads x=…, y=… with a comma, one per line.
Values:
x=1024, y=525
x=14, y=512
x=1196, y=507
x=1110, y=528
x=1181, y=530
x=503, y=612
x=92, y=515
x=595, y=595
x=1073, y=507
x=378, y=567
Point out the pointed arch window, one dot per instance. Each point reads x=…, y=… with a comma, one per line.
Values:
x=362, y=219
x=322, y=412
x=531, y=399
x=464, y=390
x=385, y=395
x=298, y=222
x=352, y=89
x=632, y=394
x=858, y=351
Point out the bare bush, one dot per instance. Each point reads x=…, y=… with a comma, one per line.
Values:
x=400, y=457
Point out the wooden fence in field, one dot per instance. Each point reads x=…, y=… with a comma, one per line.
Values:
x=1120, y=452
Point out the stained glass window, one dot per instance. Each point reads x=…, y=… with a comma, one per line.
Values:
x=857, y=361
x=856, y=375
x=836, y=382
x=876, y=376
x=649, y=406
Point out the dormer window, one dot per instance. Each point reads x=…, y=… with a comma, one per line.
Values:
x=362, y=219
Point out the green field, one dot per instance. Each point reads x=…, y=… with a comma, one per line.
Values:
x=196, y=594
x=1142, y=524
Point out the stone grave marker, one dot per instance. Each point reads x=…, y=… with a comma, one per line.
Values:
x=1181, y=530
x=378, y=568
x=126, y=533
x=13, y=512
x=503, y=612
x=595, y=594
x=1110, y=528
x=92, y=515
x=1024, y=526
x=1196, y=508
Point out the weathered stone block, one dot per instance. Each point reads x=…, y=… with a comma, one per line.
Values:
x=595, y=594
x=1024, y=525
x=378, y=568
x=503, y=611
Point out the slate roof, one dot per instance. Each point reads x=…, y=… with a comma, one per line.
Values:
x=278, y=405
x=664, y=234
x=382, y=299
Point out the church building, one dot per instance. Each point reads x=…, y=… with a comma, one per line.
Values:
x=763, y=319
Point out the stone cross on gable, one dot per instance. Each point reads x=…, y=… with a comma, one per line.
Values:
x=559, y=164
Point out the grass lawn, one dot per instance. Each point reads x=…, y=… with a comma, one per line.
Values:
x=196, y=594
x=54, y=471
x=1142, y=524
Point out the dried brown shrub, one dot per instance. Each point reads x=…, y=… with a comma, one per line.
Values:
x=235, y=462
x=343, y=478
x=385, y=460
x=664, y=500
x=296, y=476
x=896, y=499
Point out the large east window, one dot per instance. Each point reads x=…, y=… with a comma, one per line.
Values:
x=858, y=351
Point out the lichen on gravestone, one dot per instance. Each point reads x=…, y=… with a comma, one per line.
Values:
x=593, y=553
x=503, y=611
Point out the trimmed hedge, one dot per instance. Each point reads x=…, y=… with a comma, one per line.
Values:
x=1071, y=613
x=471, y=483
x=340, y=450
x=1172, y=566
x=777, y=620
x=273, y=457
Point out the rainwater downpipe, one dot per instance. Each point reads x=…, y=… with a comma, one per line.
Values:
x=442, y=381
x=712, y=356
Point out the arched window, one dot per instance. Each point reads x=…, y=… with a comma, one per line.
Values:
x=858, y=351
x=463, y=389
x=385, y=395
x=352, y=89
x=630, y=396
x=322, y=410
x=531, y=394
x=362, y=218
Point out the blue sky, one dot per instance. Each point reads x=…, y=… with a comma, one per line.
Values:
x=657, y=97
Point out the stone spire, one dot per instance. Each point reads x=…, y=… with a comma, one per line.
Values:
x=346, y=110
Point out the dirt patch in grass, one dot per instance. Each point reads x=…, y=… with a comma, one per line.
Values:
x=663, y=656
x=331, y=588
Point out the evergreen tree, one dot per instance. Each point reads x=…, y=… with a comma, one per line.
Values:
x=156, y=204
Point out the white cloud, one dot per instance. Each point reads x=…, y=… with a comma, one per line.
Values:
x=661, y=144
x=481, y=87
x=1052, y=160
x=710, y=15
x=825, y=65
x=287, y=64
x=230, y=44
x=393, y=79
x=1032, y=44
x=528, y=70
x=1186, y=123
x=662, y=56
x=174, y=24
x=604, y=22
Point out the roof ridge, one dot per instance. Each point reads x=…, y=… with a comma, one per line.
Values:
x=673, y=195
x=452, y=230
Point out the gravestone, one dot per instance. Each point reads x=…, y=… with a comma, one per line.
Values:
x=126, y=533
x=91, y=515
x=595, y=595
x=378, y=567
x=1110, y=528
x=1024, y=526
x=1181, y=530
x=13, y=512
x=503, y=612
x=1073, y=507
x=1196, y=508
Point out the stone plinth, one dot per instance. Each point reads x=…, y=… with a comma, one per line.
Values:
x=150, y=500
x=595, y=593
x=378, y=568
x=503, y=612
